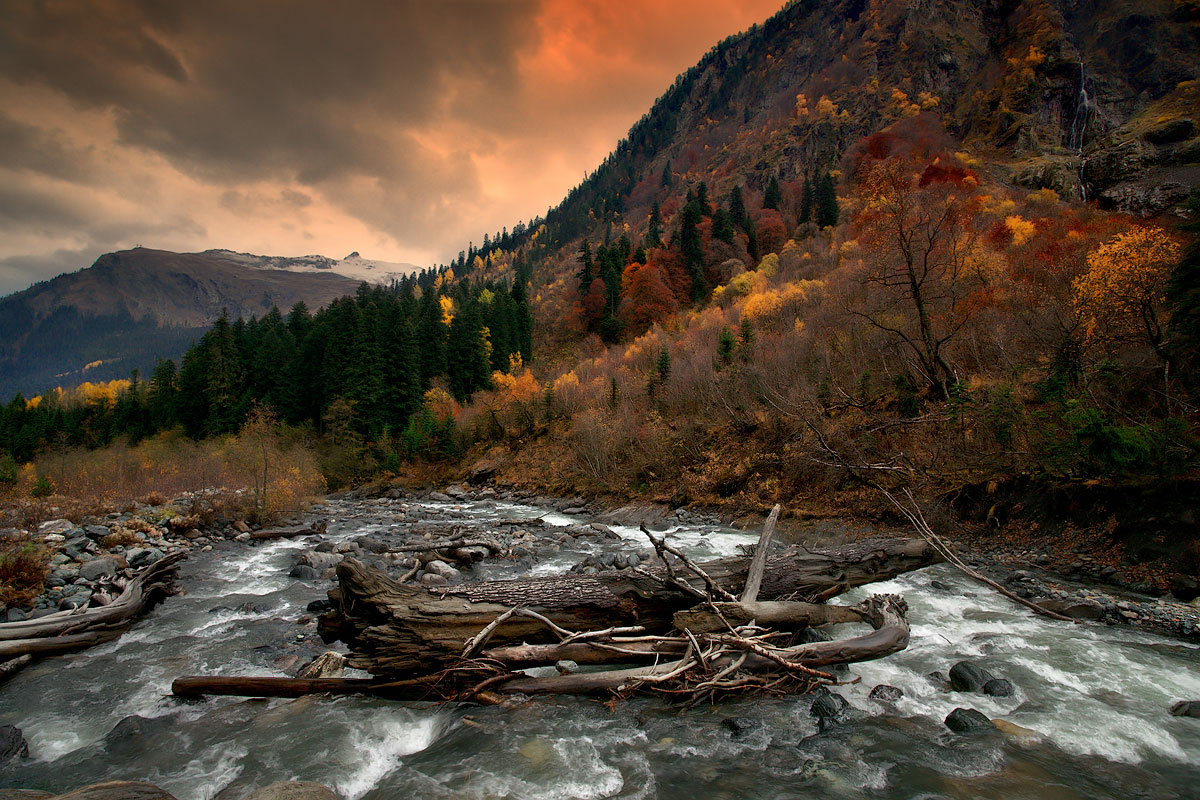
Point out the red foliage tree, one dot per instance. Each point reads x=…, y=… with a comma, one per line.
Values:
x=645, y=297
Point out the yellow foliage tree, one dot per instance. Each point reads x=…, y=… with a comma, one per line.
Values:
x=1121, y=297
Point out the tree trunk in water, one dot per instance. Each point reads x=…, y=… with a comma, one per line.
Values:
x=398, y=631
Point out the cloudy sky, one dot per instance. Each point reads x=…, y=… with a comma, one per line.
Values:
x=398, y=128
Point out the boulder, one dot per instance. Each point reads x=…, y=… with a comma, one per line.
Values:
x=968, y=720
x=998, y=687
x=1013, y=729
x=740, y=725
x=293, y=790
x=12, y=744
x=968, y=677
x=139, y=557
x=319, y=561
x=443, y=569
x=96, y=532
x=829, y=708
x=886, y=694
x=1075, y=609
x=127, y=734
x=566, y=666
x=304, y=573
x=329, y=664
x=1186, y=708
x=440, y=497
x=98, y=568
x=56, y=526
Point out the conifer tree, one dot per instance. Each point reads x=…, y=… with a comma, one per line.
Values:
x=825, y=201
x=772, y=196
x=654, y=230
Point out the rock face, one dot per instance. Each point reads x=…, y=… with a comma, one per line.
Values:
x=968, y=720
x=293, y=790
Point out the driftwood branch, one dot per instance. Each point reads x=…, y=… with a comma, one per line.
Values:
x=913, y=515
x=759, y=562
x=74, y=630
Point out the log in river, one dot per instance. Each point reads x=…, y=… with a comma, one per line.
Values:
x=397, y=630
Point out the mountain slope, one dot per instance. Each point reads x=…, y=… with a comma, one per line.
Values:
x=135, y=306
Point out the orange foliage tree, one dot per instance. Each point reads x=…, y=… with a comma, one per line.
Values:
x=1121, y=297
x=918, y=235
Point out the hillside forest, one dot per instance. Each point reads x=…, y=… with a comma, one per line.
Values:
x=760, y=295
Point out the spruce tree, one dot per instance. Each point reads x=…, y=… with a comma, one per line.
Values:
x=825, y=201
x=692, y=247
x=654, y=230
x=772, y=196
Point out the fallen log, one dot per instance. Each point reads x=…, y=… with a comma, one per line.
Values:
x=315, y=529
x=84, y=627
x=769, y=613
x=12, y=666
x=396, y=630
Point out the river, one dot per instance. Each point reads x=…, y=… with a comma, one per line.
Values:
x=1095, y=698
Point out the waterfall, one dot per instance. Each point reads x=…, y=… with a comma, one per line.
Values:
x=1084, y=107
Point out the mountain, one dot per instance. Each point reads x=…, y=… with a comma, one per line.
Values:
x=132, y=307
x=1098, y=101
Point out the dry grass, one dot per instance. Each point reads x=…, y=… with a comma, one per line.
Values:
x=23, y=571
x=236, y=476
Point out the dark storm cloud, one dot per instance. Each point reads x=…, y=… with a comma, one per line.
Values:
x=286, y=90
x=400, y=129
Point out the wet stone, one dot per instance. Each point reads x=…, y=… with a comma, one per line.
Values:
x=739, y=726
x=885, y=693
x=998, y=687
x=968, y=677
x=968, y=720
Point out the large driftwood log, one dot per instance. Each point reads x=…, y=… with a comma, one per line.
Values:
x=396, y=631
x=316, y=528
x=73, y=630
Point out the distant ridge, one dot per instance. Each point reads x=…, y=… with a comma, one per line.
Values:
x=132, y=307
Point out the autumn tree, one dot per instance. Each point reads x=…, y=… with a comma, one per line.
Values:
x=918, y=236
x=645, y=297
x=1122, y=296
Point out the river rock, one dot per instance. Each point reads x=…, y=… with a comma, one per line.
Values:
x=139, y=557
x=1078, y=608
x=440, y=497
x=433, y=580
x=118, y=790
x=319, y=561
x=98, y=568
x=304, y=573
x=127, y=733
x=12, y=744
x=1015, y=730
x=740, y=725
x=968, y=677
x=1186, y=708
x=885, y=693
x=829, y=708
x=96, y=533
x=443, y=569
x=968, y=720
x=294, y=790
x=329, y=664
x=55, y=526
x=566, y=666
x=998, y=687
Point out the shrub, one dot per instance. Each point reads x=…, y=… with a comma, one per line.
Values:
x=23, y=572
x=42, y=487
x=8, y=473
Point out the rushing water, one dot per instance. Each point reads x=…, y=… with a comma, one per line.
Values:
x=1096, y=700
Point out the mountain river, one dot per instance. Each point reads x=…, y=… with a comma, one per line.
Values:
x=1095, y=701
